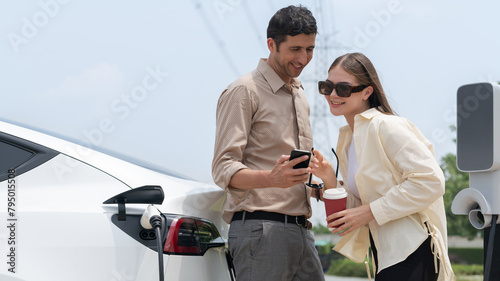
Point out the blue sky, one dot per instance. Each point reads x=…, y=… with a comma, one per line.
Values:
x=143, y=78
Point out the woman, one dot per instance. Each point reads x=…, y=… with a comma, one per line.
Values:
x=395, y=186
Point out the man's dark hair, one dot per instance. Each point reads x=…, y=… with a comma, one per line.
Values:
x=291, y=20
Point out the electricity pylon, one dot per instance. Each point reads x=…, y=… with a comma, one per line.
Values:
x=324, y=125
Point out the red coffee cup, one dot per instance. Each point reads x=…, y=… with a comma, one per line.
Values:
x=335, y=201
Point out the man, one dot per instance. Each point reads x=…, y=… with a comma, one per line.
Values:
x=261, y=117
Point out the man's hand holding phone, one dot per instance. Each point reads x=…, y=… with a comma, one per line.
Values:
x=296, y=153
x=291, y=170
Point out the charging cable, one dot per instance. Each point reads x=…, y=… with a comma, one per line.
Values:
x=152, y=218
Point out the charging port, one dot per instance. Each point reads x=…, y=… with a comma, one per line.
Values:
x=147, y=234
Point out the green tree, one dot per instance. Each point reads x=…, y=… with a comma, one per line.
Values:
x=456, y=181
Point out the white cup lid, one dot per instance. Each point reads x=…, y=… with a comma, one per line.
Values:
x=335, y=193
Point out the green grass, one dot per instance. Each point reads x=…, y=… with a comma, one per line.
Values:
x=346, y=267
x=470, y=278
x=467, y=269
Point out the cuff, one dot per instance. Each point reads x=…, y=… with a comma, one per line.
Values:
x=378, y=212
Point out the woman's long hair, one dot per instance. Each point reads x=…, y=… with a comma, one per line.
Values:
x=362, y=68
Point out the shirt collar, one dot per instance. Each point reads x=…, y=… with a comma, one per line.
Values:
x=370, y=113
x=367, y=115
x=273, y=78
x=345, y=129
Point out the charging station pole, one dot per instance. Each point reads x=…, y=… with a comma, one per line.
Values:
x=478, y=152
x=494, y=255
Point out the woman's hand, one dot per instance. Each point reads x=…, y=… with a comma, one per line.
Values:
x=323, y=169
x=350, y=219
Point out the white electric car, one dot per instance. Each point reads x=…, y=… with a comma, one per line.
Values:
x=68, y=212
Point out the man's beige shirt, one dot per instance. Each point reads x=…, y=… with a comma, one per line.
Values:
x=259, y=118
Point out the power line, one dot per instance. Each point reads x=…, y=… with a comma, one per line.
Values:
x=218, y=41
x=250, y=17
x=325, y=51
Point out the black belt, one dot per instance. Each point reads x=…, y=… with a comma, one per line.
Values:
x=263, y=215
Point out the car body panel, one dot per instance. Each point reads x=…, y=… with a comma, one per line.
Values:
x=63, y=231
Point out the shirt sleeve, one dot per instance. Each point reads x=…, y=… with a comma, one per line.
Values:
x=235, y=109
x=423, y=180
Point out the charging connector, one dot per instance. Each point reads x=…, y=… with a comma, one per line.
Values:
x=153, y=219
x=150, y=214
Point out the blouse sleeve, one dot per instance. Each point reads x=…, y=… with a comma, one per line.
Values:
x=423, y=180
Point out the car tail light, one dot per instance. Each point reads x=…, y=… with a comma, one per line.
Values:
x=190, y=236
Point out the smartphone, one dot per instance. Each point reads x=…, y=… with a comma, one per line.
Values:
x=296, y=153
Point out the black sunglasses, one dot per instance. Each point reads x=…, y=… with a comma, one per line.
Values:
x=343, y=90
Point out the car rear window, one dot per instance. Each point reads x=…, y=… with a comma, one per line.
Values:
x=19, y=155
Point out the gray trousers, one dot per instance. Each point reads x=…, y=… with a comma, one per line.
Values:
x=272, y=250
